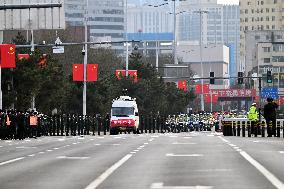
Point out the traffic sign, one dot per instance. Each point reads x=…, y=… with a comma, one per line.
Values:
x=270, y=92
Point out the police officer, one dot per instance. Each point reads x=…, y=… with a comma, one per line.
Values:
x=253, y=117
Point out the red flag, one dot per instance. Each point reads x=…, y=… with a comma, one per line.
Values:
x=207, y=98
x=215, y=98
x=182, y=85
x=206, y=88
x=23, y=56
x=120, y=73
x=133, y=74
x=92, y=72
x=42, y=60
x=198, y=88
x=78, y=72
x=7, y=55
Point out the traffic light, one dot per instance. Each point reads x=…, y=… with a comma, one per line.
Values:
x=212, y=80
x=269, y=77
x=240, y=78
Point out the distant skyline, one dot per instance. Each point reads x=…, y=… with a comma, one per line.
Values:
x=228, y=2
x=236, y=2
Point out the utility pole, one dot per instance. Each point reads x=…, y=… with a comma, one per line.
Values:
x=85, y=60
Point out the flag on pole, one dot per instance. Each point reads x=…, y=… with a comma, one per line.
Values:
x=182, y=85
x=92, y=72
x=78, y=72
x=198, y=88
x=7, y=55
x=23, y=56
x=133, y=74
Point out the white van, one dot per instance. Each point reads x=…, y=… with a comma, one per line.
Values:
x=124, y=115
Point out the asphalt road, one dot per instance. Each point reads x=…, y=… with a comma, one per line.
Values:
x=201, y=160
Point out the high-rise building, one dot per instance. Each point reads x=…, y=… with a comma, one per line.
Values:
x=220, y=25
x=256, y=16
x=149, y=19
x=105, y=18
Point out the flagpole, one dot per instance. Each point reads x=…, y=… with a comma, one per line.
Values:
x=85, y=61
x=1, y=105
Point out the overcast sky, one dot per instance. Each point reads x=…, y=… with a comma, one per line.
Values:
x=229, y=1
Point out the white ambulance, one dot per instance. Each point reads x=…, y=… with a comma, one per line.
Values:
x=124, y=115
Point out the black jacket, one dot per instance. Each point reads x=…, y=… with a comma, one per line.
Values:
x=270, y=110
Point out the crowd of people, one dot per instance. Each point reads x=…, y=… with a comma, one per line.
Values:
x=20, y=125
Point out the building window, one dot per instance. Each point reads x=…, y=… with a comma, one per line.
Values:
x=278, y=59
x=273, y=27
x=266, y=49
x=266, y=60
x=257, y=37
x=273, y=18
x=275, y=1
x=267, y=27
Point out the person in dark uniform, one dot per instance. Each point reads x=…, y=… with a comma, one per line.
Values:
x=270, y=116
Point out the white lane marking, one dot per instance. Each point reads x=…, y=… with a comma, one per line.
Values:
x=74, y=143
x=281, y=152
x=1, y=146
x=8, y=141
x=81, y=138
x=146, y=143
x=133, y=152
x=27, y=140
x=61, y=139
x=136, y=150
x=173, y=136
x=273, y=179
x=49, y=150
x=232, y=145
x=11, y=161
x=32, y=155
x=108, y=172
x=161, y=186
x=183, y=143
x=155, y=136
x=187, y=137
x=41, y=152
x=67, y=145
x=141, y=146
x=72, y=158
x=101, y=137
x=55, y=148
x=184, y=155
x=25, y=147
x=116, y=144
x=97, y=144
x=92, y=139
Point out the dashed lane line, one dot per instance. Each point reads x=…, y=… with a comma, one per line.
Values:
x=268, y=175
x=184, y=155
x=11, y=161
x=108, y=172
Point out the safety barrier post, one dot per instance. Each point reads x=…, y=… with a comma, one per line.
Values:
x=243, y=128
x=249, y=128
x=224, y=127
x=234, y=128
x=263, y=128
x=255, y=128
x=238, y=128
x=230, y=128
x=278, y=129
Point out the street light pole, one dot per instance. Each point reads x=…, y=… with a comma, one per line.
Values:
x=85, y=61
x=126, y=39
x=201, y=58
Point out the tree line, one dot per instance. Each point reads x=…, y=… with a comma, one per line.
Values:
x=52, y=87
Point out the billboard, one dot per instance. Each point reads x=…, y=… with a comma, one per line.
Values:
x=31, y=18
